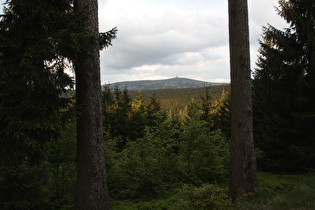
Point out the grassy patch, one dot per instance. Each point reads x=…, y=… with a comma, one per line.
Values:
x=281, y=192
x=301, y=197
x=278, y=182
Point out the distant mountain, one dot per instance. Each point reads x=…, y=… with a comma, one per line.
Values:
x=172, y=83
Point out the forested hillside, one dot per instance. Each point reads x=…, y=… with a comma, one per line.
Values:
x=176, y=101
x=172, y=83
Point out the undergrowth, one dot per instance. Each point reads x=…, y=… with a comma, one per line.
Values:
x=277, y=191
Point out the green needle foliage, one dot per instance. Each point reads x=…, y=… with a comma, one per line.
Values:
x=284, y=90
x=33, y=89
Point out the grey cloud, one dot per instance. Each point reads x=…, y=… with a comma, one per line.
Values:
x=190, y=40
x=161, y=40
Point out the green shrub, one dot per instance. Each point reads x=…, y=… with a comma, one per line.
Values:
x=204, y=156
x=208, y=196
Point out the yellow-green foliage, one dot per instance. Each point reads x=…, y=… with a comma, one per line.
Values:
x=175, y=101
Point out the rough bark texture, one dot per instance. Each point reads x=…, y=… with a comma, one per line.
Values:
x=91, y=191
x=243, y=180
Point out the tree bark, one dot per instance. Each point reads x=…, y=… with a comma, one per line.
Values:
x=243, y=180
x=91, y=189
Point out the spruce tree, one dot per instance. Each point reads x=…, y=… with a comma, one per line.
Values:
x=36, y=40
x=284, y=89
x=138, y=116
x=40, y=39
x=108, y=107
x=222, y=115
x=154, y=112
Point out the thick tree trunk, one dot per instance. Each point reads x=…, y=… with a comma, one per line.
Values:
x=243, y=180
x=91, y=189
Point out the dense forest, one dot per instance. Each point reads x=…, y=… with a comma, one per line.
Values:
x=164, y=149
x=176, y=101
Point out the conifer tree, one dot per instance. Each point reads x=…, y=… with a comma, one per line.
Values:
x=108, y=107
x=284, y=89
x=222, y=114
x=208, y=106
x=154, y=112
x=138, y=116
x=35, y=44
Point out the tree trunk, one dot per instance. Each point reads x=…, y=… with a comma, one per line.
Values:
x=91, y=189
x=243, y=180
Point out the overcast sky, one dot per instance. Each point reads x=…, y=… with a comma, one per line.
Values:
x=160, y=39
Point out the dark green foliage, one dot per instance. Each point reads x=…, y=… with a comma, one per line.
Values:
x=284, y=90
x=36, y=40
x=222, y=115
x=204, y=155
x=193, y=111
x=32, y=77
x=138, y=116
x=153, y=107
x=40, y=40
x=108, y=106
x=159, y=151
x=105, y=38
x=145, y=166
x=116, y=108
x=166, y=154
x=207, y=106
x=62, y=167
x=22, y=188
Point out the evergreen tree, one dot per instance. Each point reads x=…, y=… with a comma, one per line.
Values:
x=121, y=123
x=222, y=115
x=207, y=106
x=32, y=73
x=108, y=107
x=203, y=154
x=37, y=37
x=154, y=113
x=138, y=116
x=193, y=111
x=62, y=167
x=284, y=89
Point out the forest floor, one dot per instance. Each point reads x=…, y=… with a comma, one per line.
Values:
x=282, y=192
x=277, y=191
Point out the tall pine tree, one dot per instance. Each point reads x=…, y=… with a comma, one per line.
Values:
x=284, y=89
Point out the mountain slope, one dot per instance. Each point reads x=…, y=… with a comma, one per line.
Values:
x=172, y=83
